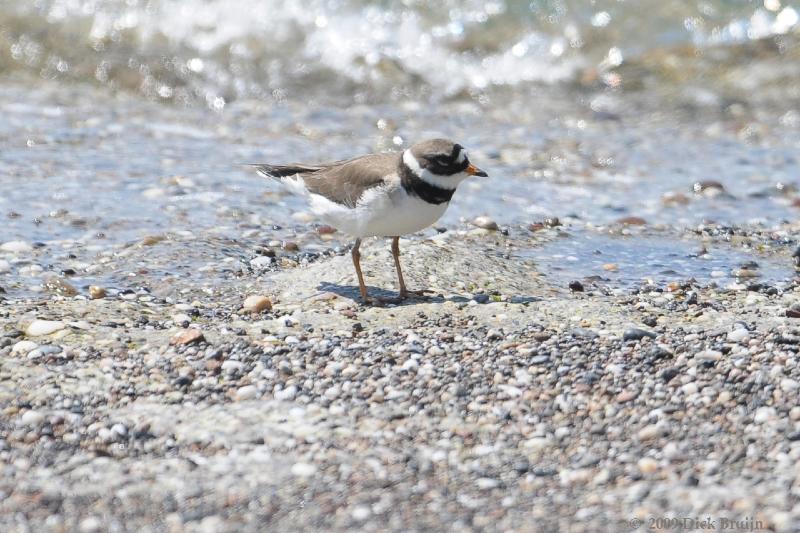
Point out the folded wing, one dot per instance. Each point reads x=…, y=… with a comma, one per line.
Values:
x=342, y=182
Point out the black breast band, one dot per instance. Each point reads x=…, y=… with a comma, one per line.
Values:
x=421, y=188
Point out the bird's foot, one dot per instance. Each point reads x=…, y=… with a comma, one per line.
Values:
x=422, y=293
x=379, y=301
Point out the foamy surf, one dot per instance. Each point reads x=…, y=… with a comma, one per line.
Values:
x=218, y=50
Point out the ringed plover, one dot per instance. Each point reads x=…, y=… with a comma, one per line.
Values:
x=380, y=195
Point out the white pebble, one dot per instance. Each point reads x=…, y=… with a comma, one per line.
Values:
x=286, y=394
x=303, y=469
x=486, y=483
x=739, y=335
x=91, y=524
x=232, y=367
x=16, y=247
x=708, y=355
x=411, y=365
x=24, y=347
x=248, y=392
x=671, y=451
x=649, y=432
x=180, y=318
x=763, y=414
x=789, y=385
x=44, y=327
x=153, y=193
x=261, y=262
x=106, y=435
x=31, y=418
x=361, y=513
x=689, y=389
x=5, y=266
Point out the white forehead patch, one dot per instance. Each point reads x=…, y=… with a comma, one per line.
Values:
x=462, y=155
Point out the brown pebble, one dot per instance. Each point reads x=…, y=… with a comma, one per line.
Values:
x=673, y=286
x=674, y=198
x=150, y=240
x=96, y=292
x=627, y=395
x=551, y=222
x=793, y=313
x=610, y=267
x=290, y=246
x=707, y=185
x=536, y=226
x=632, y=221
x=187, y=336
x=326, y=230
x=647, y=465
x=59, y=286
x=485, y=223
x=257, y=304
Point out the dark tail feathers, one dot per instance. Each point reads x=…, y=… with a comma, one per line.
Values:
x=283, y=171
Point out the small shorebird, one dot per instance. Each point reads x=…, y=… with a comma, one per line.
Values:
x=380, y=195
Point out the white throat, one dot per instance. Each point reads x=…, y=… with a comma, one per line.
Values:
x=443, y=182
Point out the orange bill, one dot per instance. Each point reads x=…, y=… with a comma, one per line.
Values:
x=472, y=170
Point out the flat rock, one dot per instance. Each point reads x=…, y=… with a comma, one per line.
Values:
x=44, y=327
x=637, y=334
x=187, y=336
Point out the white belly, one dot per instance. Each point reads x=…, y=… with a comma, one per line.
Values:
x=382, y=212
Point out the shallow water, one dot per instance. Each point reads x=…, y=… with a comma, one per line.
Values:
x=634, y=261
x=84, y=173
x=579, y=111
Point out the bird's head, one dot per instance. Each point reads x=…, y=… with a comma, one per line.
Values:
x=440, y=163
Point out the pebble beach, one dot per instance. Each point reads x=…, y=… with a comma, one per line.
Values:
x=610, y=341
x=505, y=402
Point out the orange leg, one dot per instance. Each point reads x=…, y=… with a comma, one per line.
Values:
x=362, y=287
x=404, y=293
